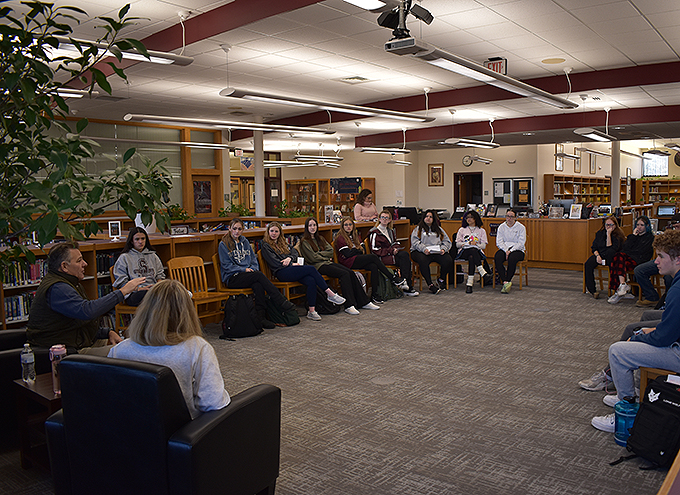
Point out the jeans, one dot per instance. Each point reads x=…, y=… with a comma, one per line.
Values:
x=643, y=275
x=306, y=275
x=626, y=357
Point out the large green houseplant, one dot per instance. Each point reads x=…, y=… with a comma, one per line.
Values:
x=43, y=181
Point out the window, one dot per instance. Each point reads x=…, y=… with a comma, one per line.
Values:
x=654, y=165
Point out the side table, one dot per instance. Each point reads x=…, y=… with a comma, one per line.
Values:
x=35, y=403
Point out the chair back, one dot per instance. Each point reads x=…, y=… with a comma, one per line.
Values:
x=189, y=270
x=264, y=267
x=122, y=411
x=219, y=285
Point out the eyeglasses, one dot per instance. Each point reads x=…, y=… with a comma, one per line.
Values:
x=385, y=218
x=609, y=225
x=237, y=228
x=509, y=216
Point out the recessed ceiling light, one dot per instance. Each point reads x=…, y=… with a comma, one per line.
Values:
x=528, y=134
x=555, y=60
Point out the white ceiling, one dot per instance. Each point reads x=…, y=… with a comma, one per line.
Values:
x=307, y=51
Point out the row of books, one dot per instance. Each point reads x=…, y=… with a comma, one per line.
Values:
x=22, y=273
x=17, y=307
x=103, y=289
x=104, y=262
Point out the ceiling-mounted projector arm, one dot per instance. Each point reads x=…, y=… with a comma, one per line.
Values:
x=396, y=18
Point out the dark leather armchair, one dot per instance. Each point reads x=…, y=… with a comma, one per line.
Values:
x=124, y=428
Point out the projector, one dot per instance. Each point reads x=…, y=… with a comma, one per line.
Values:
x=407, y=46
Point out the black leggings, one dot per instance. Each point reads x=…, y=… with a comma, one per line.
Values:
x=424, y=261
x=260, y=284
x=373, y=263
x=349, y=284
x=512, y=259
x=474, y=257
x=403, y=261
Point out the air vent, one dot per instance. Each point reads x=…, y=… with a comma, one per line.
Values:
x=112, y=98
x=353, y=79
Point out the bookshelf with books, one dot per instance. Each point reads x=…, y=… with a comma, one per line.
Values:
x=312, y=195
x=581, y=189
x=658, y=190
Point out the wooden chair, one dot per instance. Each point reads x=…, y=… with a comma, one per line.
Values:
x=437, y=273
x=332, y=282
x=522, y=270
x=649, y=374
x=284, y=287
x=190, y=271
x=120, y=323
x=220, y=287
x=601, y=275
x=657, y=283
x=365, y=273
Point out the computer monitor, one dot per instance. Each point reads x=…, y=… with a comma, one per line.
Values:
x=409, y=212
x=564, y=203
x=665, y=211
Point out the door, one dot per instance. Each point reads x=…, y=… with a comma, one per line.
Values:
x=467, y=188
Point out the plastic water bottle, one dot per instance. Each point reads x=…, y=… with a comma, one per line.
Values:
x=624, y=417
x=27, y=364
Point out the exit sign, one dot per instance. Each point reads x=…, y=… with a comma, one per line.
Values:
x=497, y=64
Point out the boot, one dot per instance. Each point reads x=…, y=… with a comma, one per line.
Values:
x=265, y=322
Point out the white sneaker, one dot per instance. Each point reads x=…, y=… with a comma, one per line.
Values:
x=610, y=400
x=352, y=310
x=411, y=292
x=403, y=285
x=370, y=305
x=336, y=299
x=615, y=298
x=313, y=315
x=604, y=423
x=624, y=288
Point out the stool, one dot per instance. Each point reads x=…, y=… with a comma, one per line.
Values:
x=522, y=270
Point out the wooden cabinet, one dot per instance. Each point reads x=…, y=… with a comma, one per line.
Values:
x=313, y=195
x=581, y=189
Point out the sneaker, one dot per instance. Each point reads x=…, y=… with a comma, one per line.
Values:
x=596, y=295
x=598, y=381
x=404, y=285
x=488, y=280
x=370, y=305
x=441, y=283
x=434, y=288
x=352, y=310
x=624, y=288
x=377, y=300
x=397, y=280
x=644, y=303
x=336, y=299
x=313, y=315
x=468, y=289
x=604, y=423
x=410, y=291
x=506, y=288
x=610, y=400
x=615, y=298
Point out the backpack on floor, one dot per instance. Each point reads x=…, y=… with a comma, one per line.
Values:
x=655, y=435
x=386, y=289
x=323, y=305
x=240, y=318
x=280, y=317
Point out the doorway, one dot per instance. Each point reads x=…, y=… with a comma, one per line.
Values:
x=467, y=189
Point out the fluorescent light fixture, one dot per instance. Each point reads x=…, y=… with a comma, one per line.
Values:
x=399, y=162
x=367, y=4
x=471, y=143
x=461, y=65
x=672, y=146
x=222, y=124
x=567, y=155
x=316, y=158
x=156, y=57
x=323, y=105
x=385, y=151
x=630, y=153
x=188, y=144
x=74, y=93
x=656, y=152
x=594, y=134
x=592, y=152
x=477, y=158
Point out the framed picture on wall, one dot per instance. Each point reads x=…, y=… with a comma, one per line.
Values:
x=593, y=163
x=435, y=174
x=559, y=161
x=577, y=163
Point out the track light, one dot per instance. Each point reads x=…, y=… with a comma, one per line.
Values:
x=75, y=93
x=399, y=162
x=471, y=143
x=385, y=151
x=463, y=66
x=316, y=158
x=323, y=105
x=222, y=124
x=594, y=134
x=156, y=57
x=672, y=146
x=592, y=152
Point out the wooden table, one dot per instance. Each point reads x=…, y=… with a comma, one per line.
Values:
x=35, y=403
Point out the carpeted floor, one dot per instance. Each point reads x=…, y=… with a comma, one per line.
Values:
x=440, y=394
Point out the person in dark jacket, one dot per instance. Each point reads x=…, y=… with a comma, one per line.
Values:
x=635, y=250
x=608, y=242
x=283, y=262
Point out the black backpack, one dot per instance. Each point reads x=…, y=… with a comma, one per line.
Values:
x=240, y=318
x=655, y=435
x=280, y=317
x=323, y=305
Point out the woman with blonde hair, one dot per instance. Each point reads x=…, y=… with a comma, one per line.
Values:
x=166, y=331
x=283, y=262
x=351, y=253
x=318, y=252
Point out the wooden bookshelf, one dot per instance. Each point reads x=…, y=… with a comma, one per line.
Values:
x=581, y=189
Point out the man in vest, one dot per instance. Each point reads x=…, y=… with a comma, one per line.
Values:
x=61, y=312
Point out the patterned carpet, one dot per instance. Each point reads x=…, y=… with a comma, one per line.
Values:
x=440, y=394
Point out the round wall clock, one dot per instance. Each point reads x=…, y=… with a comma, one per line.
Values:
x=467, y=160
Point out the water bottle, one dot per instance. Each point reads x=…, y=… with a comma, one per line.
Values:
x=624, y=417
x=27, y=364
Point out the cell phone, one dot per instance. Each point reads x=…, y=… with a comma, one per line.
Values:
x=638, y=331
